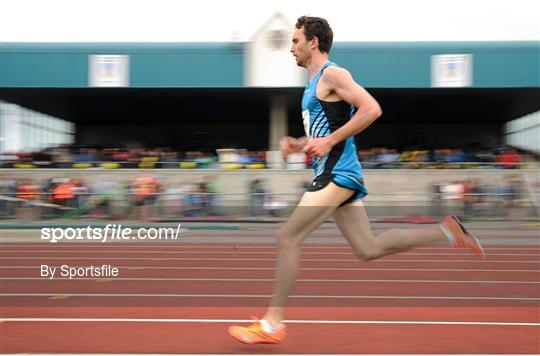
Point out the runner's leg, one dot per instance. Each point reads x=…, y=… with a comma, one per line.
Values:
x=353, y=222
x=314, y=208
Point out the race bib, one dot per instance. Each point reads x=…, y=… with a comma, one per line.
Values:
x=305, y=118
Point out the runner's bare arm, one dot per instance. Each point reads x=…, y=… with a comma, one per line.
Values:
x=290, y=145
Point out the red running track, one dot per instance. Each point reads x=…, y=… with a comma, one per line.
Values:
x=161, y=320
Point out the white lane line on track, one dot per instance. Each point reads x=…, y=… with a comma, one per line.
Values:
x=249, y=259
x=220, y=354
x=161, y=259
x=302, y=269
x=263, y=252
x=238, y=296
x=149, y=320
x=240, y=246
x=305, y=280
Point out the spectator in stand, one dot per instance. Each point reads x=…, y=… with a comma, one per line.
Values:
x=211, y=187
x=62, y=157
x=132, y=155
x=506, y=194
x=468, y=198
x=108, y=198
x=437, y=199
x=172, y=201
x=368, y=158
x=82, y=193
x=455, y=156
x=86, y=155
x=480, y=203
x=170, y=160
x=145, y=189
x=64, y=193
x=8, y=187
x=43, y=159
x=485, y=156
x=29, y=192
x=200, y=198
x=135, y=156
x=453, y=196
x=195, y=199
x=388, y=159
x=508, y=159
x=257, y=196
x=119, y=155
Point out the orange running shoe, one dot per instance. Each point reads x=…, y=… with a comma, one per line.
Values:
x=460, y=237
x=255, y=334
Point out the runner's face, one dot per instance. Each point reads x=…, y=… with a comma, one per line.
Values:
x=300, y=47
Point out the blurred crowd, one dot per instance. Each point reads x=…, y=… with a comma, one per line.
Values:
x=499, y=158
x=473, y=198
x=136, y=156
x=143, y=198
x=131, y=156
x=148, y=198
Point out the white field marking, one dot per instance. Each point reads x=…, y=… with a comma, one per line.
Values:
x=305, y=280
x=264, y=252
x=241, y=245
x=342, y=244
x=245, y=259
x=399, y=322
x=260, y=354
x=297, y=296
x=302, y=269
x=223, y=354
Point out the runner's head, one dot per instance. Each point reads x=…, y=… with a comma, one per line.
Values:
x=311, y=34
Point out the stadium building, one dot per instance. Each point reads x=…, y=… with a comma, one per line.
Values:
x=206, y=96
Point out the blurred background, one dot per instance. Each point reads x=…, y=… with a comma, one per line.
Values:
x=179, y=116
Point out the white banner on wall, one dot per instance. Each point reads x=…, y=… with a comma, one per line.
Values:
x=108, y=71
x=452, y=70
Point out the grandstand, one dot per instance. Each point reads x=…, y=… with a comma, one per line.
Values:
x=172, y=106
x=193, y=105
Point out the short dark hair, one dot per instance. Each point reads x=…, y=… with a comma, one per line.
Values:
x=317, y=27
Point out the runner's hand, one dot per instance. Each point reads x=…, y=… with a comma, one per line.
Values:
x=318, y=147
x=289, y=145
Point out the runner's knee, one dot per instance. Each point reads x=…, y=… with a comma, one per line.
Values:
x=286, y=240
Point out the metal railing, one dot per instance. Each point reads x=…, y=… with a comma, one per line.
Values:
x=158, y=206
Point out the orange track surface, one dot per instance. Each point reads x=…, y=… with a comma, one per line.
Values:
x=436, y=272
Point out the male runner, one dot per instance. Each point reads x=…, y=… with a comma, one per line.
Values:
x=334, y=109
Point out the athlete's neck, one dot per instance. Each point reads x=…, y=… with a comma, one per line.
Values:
x=316, y=62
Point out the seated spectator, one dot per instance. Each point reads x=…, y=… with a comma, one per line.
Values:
x=29, y=192
x=145, y=188
x=508, y=159
x=64, y=193
x=86, y=155
x=388, y=159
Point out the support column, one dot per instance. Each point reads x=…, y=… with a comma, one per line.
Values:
x=278, y=121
